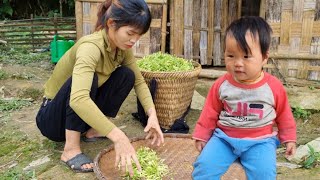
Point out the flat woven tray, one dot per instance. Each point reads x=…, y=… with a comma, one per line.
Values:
x=178, y=152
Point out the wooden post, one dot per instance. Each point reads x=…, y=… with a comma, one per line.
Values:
x=217, y=33
x=164, y=27
x=204, y=32
x=79, y=19
x=188, y=29
x=55, y=23
x=210, y=31
x=60, y=3
x=262, y=12
x=233, y=8
x=178, y=28
x=172, y=22
x=196, y=26
x=32, y=34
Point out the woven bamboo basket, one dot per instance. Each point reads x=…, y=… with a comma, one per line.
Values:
x=174, y=93
x=178, y=152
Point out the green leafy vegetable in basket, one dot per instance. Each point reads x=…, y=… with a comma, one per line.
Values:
x=152, y=166
x=162, y=62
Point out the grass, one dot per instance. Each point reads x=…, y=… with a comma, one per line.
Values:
x=311, y=87
x=22, y=76
x=3, y=75
x=308, y=130
x=13, y=143
x=312, y=160
x=17, y=150
x=13, y=104
x=300, y=113
x=22, y=56
x=15, y=174
x=33, y=93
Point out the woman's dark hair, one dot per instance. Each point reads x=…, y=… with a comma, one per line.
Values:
x=257, y=27
x=125, y=13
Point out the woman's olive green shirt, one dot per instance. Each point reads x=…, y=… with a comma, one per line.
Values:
x=92, y=54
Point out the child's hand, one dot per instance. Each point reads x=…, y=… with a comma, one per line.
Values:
x=290, y=149
x=200, y=144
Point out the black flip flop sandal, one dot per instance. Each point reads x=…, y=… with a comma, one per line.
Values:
x=76, y=162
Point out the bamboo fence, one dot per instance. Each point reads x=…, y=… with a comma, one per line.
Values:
x=296, y=39
x=197, y=30
x=37, y=33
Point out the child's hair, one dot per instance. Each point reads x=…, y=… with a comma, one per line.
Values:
x=257, y=27
x=124, y=13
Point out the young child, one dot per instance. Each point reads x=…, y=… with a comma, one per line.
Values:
x=242, y=107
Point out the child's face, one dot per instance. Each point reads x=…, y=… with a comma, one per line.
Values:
x=245, y=68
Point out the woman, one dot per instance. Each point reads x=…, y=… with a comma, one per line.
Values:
x=91, y=81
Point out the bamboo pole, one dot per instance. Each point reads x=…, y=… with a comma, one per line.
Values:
x=32, y=37
x=217, y=32
x=262, y=11
x=204, y=34
x=188, y=17
x=79, y=19
x=172, y=22
x=210, y=31
x=164, y=27
x=295, y=56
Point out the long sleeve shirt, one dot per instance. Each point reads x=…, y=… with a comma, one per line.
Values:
x=92, y=54
x=246, y=111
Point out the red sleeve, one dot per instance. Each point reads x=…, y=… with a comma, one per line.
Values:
x=210, y=113
x=285, y=121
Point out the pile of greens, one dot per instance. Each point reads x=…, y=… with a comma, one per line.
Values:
x=152, y=166
x=162, y=62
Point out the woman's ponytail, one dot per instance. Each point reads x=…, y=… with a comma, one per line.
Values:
x=102, y=13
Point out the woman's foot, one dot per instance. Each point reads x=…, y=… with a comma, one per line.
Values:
x=79, y=163
x=92, y=133
x=72, y=154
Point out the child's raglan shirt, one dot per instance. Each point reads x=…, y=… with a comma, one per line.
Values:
x=247, y=111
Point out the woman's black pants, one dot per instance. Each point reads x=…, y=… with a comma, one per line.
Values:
x=56, y=115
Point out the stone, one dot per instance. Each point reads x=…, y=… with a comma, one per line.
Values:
x=197, y=101
x=36, y=163
x=303, y=150
x=301, y=97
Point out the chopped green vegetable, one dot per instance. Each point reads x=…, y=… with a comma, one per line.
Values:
x=152, y=166
x=162, y=62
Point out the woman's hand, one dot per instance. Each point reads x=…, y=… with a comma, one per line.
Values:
x=153, y=128
x=200, y=145
x=125, y=153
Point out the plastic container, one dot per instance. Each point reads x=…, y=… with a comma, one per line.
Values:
x=58, y=47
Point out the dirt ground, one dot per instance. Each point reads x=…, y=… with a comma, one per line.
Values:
x=21, y=142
